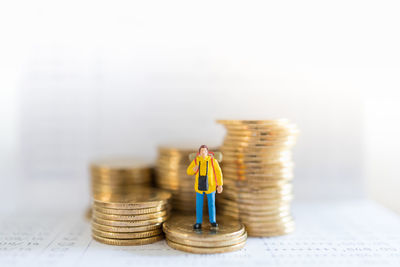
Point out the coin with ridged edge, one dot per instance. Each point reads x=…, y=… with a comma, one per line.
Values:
x=138, y=217
x=181, y=226
x=125, y=229
x=129, y=223
x=209, y=244
x=128, y=242
x=139, y=198
x=204, y=250
x=133, y=235
x=129, y=211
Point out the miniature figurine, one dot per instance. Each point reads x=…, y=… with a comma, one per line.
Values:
x=208, y=180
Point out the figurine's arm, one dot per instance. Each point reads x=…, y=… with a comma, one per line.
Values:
x=191, y=169
x=218, y=173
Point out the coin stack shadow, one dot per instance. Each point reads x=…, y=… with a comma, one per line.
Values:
x=230, y=235
x=171, y=175
x=126, y=210
x=258, y=170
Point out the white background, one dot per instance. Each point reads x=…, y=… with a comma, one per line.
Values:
x=85, y=79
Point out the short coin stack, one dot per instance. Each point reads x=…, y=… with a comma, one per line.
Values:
x=119, y=175
x=133, y=218
x=258, y=170
x=229, y=236
x=171, y=175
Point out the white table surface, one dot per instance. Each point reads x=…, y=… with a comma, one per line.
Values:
x=347, y=233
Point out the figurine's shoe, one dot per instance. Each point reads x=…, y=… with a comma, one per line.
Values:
x=197, y=226
x=214, y=225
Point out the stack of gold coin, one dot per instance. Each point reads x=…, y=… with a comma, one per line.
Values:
x=258, y=170
x=171, y=175
x=119, y=175
x=133, y=218
x=229, y=236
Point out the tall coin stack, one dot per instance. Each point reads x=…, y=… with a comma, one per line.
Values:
x=258, y=170
x=133, y=218
x=171, y=175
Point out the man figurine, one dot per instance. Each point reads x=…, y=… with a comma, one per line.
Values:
x=208, y=180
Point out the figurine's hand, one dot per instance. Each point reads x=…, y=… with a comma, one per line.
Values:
x=195, y=168
x=219, y=189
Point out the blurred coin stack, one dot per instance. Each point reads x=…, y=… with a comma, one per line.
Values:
x=230, y=235
x=130, y=218
x=258, y=170
x=119, y=175
x=171, y=175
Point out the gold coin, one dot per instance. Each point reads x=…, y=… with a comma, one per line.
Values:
x=120, y=177
x=252, y=207
x=134, y=173
x=129, y=211
x=259, y=140
x=252, y=129
x=271, y=233
x=272, y=226
x=128, y=242
x=274, y=164
x=258, y=145
x=245, y=215
x=120, y=164
x=126, y=235
x=203, y=250
x=288, y=187
x=129, y=223
x=266, y=220
x=138, y=198
x=271, y=134
x=255, y=197
x=264, y=202
x=182, y=227
x=137, y=217
x=258, y=174
x=252, y=183
x=208, y=244
x=262, y=160
x=120, y=229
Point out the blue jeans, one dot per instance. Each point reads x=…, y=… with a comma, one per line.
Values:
x=211, y=207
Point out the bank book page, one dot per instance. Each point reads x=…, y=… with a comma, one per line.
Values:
x=346, y=233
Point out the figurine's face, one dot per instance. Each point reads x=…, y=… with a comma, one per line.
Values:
x=203, y=152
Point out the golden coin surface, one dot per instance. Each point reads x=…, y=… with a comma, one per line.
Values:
x=252, y=207
x=132, y=235
x=120, y=164
x=253, y=214
x=129, y=211
x=128, y=242
x=126, y=229
x=263, y=226
x=138, y=198
x=181, y=226
x=266, y=233
x=203, y=250
x=129, y=223
x=209, y=244
x=136, y=217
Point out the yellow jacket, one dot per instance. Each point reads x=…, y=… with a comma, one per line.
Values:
x=211, y=178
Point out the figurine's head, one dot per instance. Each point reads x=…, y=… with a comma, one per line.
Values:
x=203, y=151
